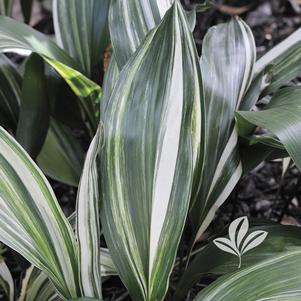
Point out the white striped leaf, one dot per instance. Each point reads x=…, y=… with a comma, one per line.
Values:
x=227, y=66
x=6, y=280
x=36, y=285
x=31, y=221
x=209, y=259
x=277, y=278
x=81, y=28
x=146, y=160
x=88, y=223
x=10, y=93
x=20, y=38
x=130, y=22
x=284, y=60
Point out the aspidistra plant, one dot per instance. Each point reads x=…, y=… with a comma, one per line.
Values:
x=168, y=141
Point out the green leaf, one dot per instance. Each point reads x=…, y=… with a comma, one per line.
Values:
x=26, y=6
x=88, y=223
x=6, y=7
x=210, y=260
x=81, y=29
x=62, y=156
x=285, y=61
x=85, y=299
x=31, y=220
x=34, y=114
x=36, y=286
x=277, y=278
x=130, y=22
x=86, y=90
x=282, y=117
x=6, y=280
x=10, y=94
x=146, y=159
x=227, y=49
x=22, y=39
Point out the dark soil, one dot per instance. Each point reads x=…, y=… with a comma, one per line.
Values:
x=264, y=192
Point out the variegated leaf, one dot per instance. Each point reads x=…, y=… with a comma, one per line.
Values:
x=282, y=118
x=81, y=28
x=130, y=22
x=227, y=67
x=6, y=280
x=276, y=278
x=88, y=223
x=22, y=39
x=146, y=160
x=31, y=220
x=284, y=61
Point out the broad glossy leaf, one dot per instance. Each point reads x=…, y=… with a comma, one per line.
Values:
x=277, y=278
x=34, y=116
x=130, y=22
x=62, y=156
x=10, y=93
x=31, y=220
x=81, y=28
x=88, y=223
x=285, y=61
x=282, y=118
x=22, y=39
x=227, y=49
x=211, y=260
x=146, y=160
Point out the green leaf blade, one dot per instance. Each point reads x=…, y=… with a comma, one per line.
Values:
x=130, y=22
x=88, y=223
x=35, y=107
x=146, y=160
x=274, y=279
x=22, y=39
x=223, y=95
x=10, y=95
x=32, y=222
x=81, y=29
x=282, y=118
